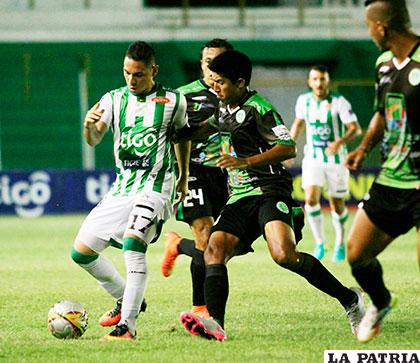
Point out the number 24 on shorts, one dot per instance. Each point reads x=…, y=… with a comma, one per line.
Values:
x=194, y=194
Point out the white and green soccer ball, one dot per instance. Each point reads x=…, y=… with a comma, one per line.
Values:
x=67, y=320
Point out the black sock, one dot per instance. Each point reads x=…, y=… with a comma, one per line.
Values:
x=216, y=291
x=370, y=279
x=198, y=276
x=186, y=247
x=318, y=276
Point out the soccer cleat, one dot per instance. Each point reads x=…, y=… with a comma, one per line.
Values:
x=370, y=326
x=205, y=328
x=356, y=310
x=319, y=251
x=113, y=316
x=339, y=253
x=201, y=310
x=120, y=332
x=172, y=240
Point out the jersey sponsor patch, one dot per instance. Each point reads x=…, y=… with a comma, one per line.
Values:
x=142, y=163
x=282, y=132
x=161, y=100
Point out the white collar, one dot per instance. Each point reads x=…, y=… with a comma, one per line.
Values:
x=401, y=65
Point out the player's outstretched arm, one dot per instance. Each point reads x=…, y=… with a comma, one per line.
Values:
x=373, y=135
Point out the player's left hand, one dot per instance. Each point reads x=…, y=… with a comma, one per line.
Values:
x=230, y=162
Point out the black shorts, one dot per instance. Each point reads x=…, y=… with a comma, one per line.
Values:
x=395, y=211
x=208, y=193
x=247, y=217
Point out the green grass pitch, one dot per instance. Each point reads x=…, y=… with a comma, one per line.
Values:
x=272, y=314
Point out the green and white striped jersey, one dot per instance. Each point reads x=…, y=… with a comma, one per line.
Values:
x=142, y=127
x=324, y=121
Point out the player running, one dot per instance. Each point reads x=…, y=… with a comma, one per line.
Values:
x=254, y=143
x=394, y=204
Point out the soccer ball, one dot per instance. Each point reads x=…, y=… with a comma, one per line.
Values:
x=67, y=320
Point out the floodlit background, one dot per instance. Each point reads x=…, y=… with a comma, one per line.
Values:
x=58, y=57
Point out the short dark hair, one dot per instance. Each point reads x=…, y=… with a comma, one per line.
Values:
x=232, y=65
x=320, y=68
x=141, y=51
x=399, y=18
x=216, y=43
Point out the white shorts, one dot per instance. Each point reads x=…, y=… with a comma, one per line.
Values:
x=335, y=175
x=141, y=215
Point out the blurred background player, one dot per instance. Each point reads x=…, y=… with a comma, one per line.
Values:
x=255, y=141
x=207, y=183
x=330, y=123
x=140, y=199
x=394, y=204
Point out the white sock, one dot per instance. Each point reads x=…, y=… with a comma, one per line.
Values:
x=316, y=222
x=135, y=263
x=106, y=275
x=339, y=221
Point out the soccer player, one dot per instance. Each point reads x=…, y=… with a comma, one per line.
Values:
x=330, y=123
x=142, y=115
x=254, y=143
x=207, y=183
x=394, y=204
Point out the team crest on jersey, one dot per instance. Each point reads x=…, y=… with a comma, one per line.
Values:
x=161, y=100
x=414, y=77
x=240, y=116
x=282, y=207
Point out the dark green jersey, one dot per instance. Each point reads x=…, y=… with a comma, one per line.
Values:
x=253, y=128
x=202, y=103
x=398, y=100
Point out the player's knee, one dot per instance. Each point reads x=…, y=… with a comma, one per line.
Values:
x=201, y=229
x=82, y=258
x=202, y=241
x=214, y=254
x=355, y=257
x=311, y=201
x=282, y=258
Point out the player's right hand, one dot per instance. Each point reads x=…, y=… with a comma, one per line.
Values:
x=93, y=116
x=355, y=159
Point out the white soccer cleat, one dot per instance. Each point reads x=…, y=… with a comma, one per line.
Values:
x=356, y=310
x=370, y=326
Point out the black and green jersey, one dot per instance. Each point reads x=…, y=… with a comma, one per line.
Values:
x=398, y=100
x=202, y=103
x=252, y=128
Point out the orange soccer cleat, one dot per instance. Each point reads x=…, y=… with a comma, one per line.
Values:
x=172, y=240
